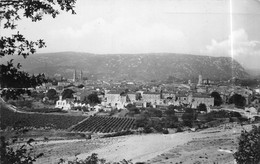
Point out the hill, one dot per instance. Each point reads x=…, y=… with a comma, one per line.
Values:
x=154, y=66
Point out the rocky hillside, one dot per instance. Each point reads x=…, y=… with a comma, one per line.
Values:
x=133, y=66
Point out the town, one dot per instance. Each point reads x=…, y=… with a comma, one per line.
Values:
x=89, y=97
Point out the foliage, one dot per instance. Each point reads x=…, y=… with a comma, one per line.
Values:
x=93, y=98
x=123, y=133
x=249, y=147
x=165, y=131
x=21, y=103
x=142, y=120
x=133, y=110
x=37, y=95
x=171, y=119
x=17, y=44
x=11, y=77
x=189, y=117
x=14, y=94
x=153, y=112
x=93, y=159
x=179, y=129
x=202, y=107
x=221, y=114
x=169, y=112
x=238, y=100
x=52, y=94
x=147, y=129
x=67, y=93
x=22, y=154
x=217, y=98
x=130, y=106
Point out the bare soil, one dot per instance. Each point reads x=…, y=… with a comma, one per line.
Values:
x=213, y=145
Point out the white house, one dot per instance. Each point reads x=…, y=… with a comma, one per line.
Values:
x=63, y=104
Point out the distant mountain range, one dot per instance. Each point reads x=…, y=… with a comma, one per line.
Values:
x=153, y=66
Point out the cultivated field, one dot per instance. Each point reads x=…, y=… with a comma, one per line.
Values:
x=102, y=124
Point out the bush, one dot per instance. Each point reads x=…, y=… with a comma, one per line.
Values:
x=17, y=155
x=21, y=103
x=93, y=159
x=123, y=133
x=165, y=131
x=147, y=129
x=179, y=129
x=249, y=147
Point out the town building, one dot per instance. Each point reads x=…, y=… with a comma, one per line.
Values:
x=198, y=99
x=63, y=104
x=115, y=99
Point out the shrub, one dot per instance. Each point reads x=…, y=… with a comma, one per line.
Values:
x=93, y=159
x=179, y=129
x=147, y=129
x=17, y=155
x=165, y=131
x=249, y=147
x=128, y=132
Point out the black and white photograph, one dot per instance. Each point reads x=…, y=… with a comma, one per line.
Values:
x=130, y=81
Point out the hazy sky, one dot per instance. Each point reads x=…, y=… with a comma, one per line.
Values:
x=201, y=27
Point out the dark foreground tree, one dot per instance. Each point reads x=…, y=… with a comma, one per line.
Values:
x=11, y=11
x=10, y=154
x=249, y=147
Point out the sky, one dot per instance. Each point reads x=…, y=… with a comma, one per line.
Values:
x=199, y=27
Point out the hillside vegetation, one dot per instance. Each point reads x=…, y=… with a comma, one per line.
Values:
x=134, y=66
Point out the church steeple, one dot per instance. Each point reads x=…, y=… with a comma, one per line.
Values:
x=81, y=75
x=74, y=75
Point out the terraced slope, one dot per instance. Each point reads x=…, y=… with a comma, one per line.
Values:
x=103, y=124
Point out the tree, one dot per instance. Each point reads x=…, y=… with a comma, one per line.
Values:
x=142, y=120
x=52, y=94
x=67, y=93
x=171, y=119
x=249, y=146
x=217, y=98
x=11, y=11
x=238, y=100
x=189, y=117
x=93, y=98
x=202, y=107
